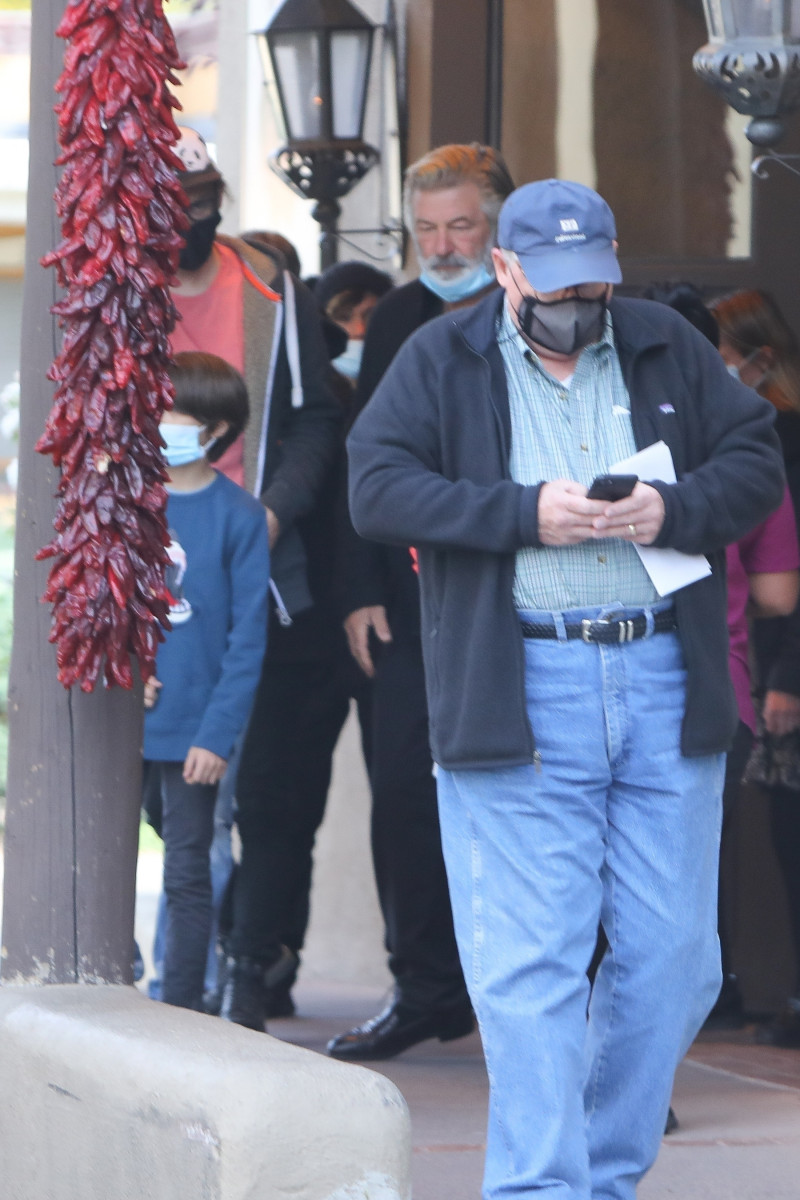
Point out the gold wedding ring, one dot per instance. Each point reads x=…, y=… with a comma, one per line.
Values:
x=632, y=530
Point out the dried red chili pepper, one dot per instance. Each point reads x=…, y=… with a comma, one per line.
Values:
x=121, y=214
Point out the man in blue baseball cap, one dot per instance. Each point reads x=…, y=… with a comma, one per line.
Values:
x=579, y=719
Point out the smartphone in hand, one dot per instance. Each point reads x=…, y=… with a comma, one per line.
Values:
x=612, y=487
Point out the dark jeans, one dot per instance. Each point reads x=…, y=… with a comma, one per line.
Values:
x=785, y=819
x=406, y=842
x=187, y=827
x=281, y=790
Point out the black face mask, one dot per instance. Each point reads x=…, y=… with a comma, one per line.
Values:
x=563, y=326
x=199, y=242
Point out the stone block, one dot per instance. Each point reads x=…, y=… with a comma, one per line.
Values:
x=107, y=1095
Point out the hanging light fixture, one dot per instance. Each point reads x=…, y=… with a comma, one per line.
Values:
x=753, y=59
x=317, y=56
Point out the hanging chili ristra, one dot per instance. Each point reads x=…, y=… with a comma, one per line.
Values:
x=121, y=212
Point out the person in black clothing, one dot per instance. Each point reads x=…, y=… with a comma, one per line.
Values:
x=301, y=705
x=237, y=301
x=761, y=349
x=452, y=198
x=347, y=293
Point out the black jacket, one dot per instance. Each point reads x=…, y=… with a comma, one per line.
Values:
x=295, y=429
x=429, y=466
x=370, y=572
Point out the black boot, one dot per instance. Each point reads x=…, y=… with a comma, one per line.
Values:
x=279, y=1001
x=248, y=985
x=279, y=979
x=244, y=994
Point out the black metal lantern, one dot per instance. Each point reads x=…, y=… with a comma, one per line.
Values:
x=317, y=56
x=753, y=59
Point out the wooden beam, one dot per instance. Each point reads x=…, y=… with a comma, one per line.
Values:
x=74, y=779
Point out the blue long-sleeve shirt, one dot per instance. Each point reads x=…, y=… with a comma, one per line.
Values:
x=210, y=663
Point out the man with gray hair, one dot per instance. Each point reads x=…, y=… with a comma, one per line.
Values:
x=579, y=714
x=452, y=199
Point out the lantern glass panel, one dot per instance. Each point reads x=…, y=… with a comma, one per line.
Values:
x=718, y=20
x=297, y=57
x=794, y=20
x=349, y=66
x=757, y=18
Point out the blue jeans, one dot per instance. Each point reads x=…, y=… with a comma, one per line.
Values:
x=611, y=825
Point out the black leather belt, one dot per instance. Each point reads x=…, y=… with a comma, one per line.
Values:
x=606, y=631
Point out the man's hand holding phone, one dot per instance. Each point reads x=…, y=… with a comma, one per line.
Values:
x=566, y=515
x=613, y=506
x=634, y=516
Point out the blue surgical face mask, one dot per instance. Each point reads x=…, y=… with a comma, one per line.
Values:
x=183, y=443
x=461, y=287
x=349, y=363
x=736, y=370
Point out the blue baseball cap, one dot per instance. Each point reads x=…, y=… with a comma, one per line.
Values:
x=562, y=234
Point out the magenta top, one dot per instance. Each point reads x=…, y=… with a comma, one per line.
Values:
x=767, y=549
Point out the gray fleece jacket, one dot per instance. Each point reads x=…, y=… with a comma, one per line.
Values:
x=429, y=467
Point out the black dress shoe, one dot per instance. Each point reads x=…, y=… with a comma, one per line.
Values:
x=397, y=1028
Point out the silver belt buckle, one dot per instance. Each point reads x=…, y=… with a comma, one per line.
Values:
x=626, y=629
x=586, y=628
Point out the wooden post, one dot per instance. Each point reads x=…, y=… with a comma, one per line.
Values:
x=74, y=778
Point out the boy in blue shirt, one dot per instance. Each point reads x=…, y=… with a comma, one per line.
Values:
x=209, y=665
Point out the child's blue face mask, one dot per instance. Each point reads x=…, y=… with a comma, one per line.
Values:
x=183, y=443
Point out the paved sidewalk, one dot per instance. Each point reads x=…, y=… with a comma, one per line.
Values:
x=739, y=1136
x=738, y=1103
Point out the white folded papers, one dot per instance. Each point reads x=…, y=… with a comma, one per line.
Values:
x=668, y=569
